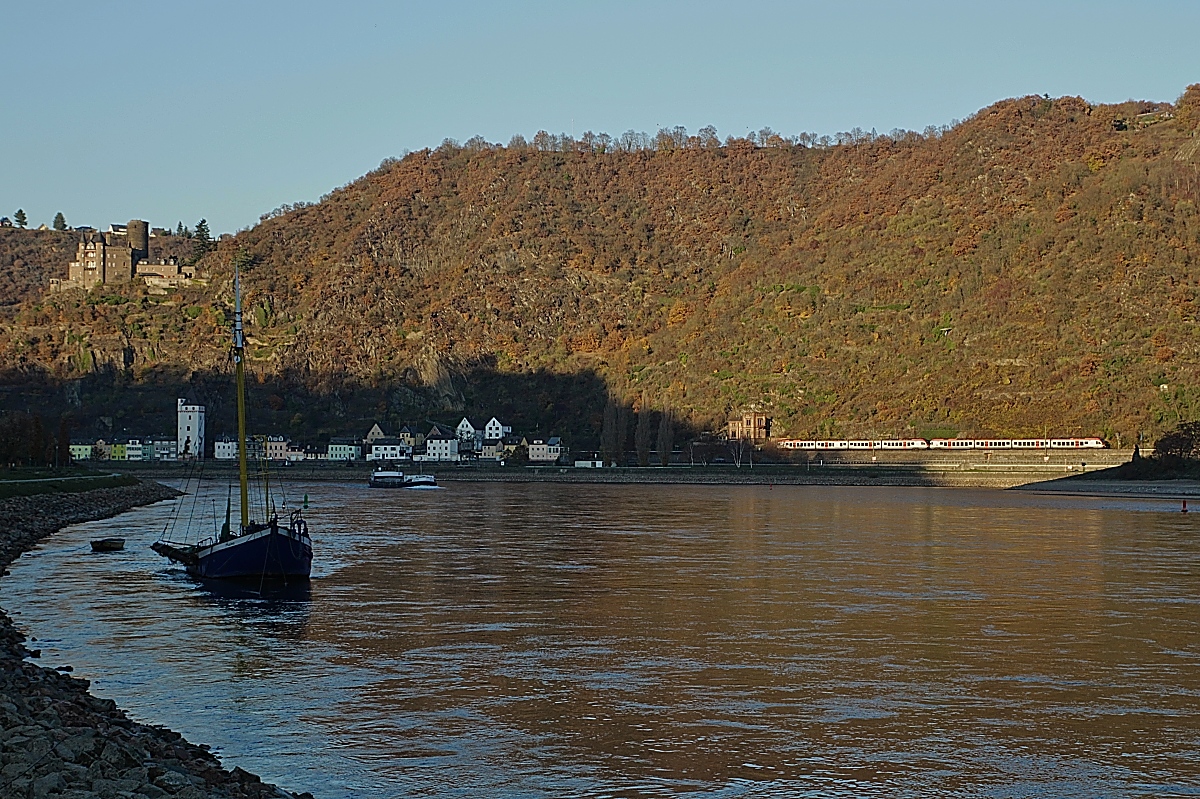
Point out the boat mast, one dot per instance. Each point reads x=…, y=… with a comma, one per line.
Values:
x=239, y=355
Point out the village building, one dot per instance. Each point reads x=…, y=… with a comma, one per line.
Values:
x=750, y=425
x=411, y=436
x=493, y=449
x=81, y=450
x=164, y=448
x=225, y=448
x=387, y=449
x=470, y=435
x=344, y=448
x=276, y=448
x=546, y=451
x=375, y=433
x=441, y=446
x=495, y=429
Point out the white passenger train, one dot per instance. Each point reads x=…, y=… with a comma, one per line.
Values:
x=945, y=443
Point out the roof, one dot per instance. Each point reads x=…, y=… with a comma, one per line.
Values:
x=387, y=441
x=345, y=440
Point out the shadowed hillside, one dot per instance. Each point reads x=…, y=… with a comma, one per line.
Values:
x=1032, y=269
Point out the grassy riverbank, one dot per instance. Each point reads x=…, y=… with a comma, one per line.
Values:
x=56, y=739
x=28, y=483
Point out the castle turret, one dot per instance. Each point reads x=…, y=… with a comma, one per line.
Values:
x=138, y=233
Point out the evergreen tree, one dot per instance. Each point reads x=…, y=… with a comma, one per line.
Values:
x=60, y=221
x=202, y=235
x=179, y=229
x=19, y=218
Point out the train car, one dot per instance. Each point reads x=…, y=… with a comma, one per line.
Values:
x=1031, y=443
x=1076, y=443
x=994, y=443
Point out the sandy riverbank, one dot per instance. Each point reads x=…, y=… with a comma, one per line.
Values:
x=56, y=739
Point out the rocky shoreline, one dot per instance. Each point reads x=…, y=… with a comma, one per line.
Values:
x=56, y=739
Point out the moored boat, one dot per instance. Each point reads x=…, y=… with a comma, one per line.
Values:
x=394, y=478
x=108, y=545
x=259, y=550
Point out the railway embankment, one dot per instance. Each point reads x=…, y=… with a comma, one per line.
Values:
x=973, y=469
x=56, y=739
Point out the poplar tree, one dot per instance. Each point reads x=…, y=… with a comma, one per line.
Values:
x=608, y=435
x=642, y=434
x=666, y=437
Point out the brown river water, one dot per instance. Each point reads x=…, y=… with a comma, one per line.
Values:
x=545, y=640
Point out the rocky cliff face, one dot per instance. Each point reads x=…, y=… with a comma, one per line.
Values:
x=1031, y=269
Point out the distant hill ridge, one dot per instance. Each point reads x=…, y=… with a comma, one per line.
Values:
x=1032, y=269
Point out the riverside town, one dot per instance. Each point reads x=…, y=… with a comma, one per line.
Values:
x=843, y=441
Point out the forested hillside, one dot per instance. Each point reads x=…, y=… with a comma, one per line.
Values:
x=1031, y=269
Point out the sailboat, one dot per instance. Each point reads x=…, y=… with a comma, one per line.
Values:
x=261, y=550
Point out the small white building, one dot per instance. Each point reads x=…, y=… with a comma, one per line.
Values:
x=387, y=449
x=344, y=448
x=589, y=464
x=225, y=449
x=439, y=447
x=495, y=429
x=470, y=435
x=546, y=451
x=189, y=435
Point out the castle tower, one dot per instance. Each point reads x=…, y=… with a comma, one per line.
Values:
x=138, y=234
x=189, y=431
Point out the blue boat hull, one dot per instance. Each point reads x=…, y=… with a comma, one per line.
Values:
x=270, y=553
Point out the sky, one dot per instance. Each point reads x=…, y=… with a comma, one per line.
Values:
x=225, y=110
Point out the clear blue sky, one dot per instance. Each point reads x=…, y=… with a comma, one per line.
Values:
x=224, y=110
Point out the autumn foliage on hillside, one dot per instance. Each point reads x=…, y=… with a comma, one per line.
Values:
x=1031, y=270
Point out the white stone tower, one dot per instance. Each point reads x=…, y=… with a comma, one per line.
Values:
x=190, y=432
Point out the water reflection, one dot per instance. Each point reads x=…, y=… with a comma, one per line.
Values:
x=278, y=608
x=544, y=640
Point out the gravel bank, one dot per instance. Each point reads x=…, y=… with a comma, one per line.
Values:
x=56, y=739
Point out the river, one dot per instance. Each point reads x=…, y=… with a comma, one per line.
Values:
x=547, y=640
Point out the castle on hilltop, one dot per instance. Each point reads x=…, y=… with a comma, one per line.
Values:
x=120, y=255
